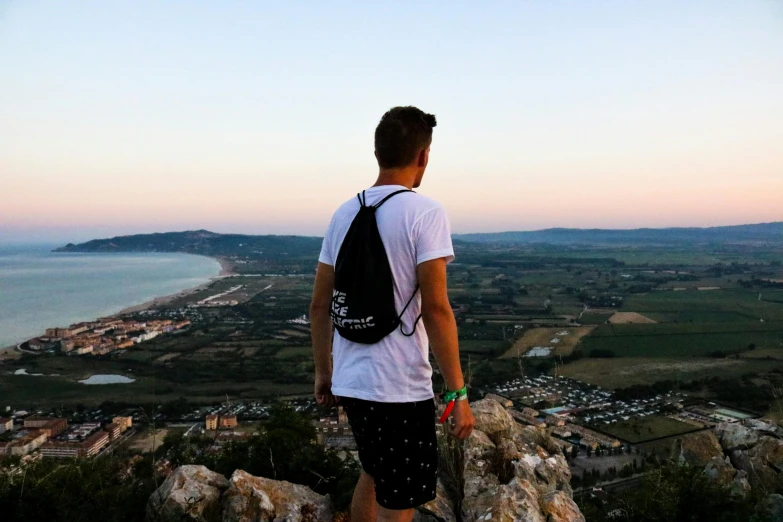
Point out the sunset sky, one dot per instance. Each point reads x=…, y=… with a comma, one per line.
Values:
x=258, y=117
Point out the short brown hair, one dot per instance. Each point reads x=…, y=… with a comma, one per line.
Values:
x=401, y=134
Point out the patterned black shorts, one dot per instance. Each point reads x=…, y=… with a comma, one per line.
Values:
x=397, y=447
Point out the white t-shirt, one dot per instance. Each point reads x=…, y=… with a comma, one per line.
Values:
x=414, y=229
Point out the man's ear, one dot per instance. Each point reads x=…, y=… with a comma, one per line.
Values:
x=424, y=156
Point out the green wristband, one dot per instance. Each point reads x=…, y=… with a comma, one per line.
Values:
x=452, y=395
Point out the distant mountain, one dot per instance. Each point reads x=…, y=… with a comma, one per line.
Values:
x=202, y=242
x=764, y=232
x=211, y=243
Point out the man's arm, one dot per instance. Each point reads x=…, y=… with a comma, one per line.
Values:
x=321, y=331
x=442, y=331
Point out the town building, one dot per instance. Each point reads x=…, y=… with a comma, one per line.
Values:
x=6, y=424
x=125, y=423
x=51, y=426
x=335, y=433
x=74, y=329
x=76, y=448
x=212, y=422
x=506, y=403
x=31, y=441
x=114, y=431
x=227, y=422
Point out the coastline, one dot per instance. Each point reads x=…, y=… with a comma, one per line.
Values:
x=226, y=270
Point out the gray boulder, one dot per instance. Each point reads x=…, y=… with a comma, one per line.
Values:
x=255, y=499
x=190, y=493
x=734, y=436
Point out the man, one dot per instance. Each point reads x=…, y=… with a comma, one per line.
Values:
x=386, y=387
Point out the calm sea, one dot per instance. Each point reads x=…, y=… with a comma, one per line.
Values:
x=40, y=289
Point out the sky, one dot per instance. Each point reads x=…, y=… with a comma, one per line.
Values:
x=258, y=117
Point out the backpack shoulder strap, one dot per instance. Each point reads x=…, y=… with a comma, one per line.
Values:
x=387, y=198
x=362, y=199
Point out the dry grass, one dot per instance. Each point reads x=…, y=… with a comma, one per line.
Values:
x=763, y=353
x=9, y=354
x=544, y=336
x=629, y=318
x=214, y=350
x=622, y=371
x=451, y=465
x=144, y=442
x=167, y=357
x=295, y=333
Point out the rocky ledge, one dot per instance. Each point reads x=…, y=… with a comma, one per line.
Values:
x=509, y=473
x=743, y=456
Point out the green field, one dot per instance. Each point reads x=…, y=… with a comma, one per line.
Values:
x=208, y=379
x=295, y=352
x=595, y=317
x=646, y=428
x=743, y=305
x=683, y=339
x=625, y=371
x=487, y=347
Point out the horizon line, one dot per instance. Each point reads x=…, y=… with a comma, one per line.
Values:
x=48, y=243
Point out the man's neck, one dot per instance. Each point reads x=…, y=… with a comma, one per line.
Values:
x=402, y=177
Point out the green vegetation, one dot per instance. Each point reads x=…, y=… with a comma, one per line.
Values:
x=683, y=340
x=116, y=488
x=286, y=449
x=726, y=304
x=113, y=489
x=646, y=428
x=204, y=242
x=672, y=493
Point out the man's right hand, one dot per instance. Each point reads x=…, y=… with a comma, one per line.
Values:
x=463, y=421
x=323, y=392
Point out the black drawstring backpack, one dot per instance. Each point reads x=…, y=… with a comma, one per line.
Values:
x=363, y=308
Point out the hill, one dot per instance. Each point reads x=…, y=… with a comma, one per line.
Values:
x=202, y=242
x=212, y=243
x=771, y=233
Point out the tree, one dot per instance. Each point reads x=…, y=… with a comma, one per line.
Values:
x=674, y=493
x=109, y=489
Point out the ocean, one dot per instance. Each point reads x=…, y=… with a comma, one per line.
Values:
x=41, y=289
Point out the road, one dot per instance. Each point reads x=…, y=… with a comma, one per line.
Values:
x=113, y=445
x=615, y=485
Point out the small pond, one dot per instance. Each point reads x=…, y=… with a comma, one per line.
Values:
x=108, y=379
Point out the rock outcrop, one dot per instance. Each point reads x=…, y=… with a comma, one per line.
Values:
x=190, y=493
x=511, y=473
x=700, y=448
x=194, y=493
x=741, y=456
x=250, y=498
x=514, y=472
x=734, y=436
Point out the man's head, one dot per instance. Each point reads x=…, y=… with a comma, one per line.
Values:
x=402, y=140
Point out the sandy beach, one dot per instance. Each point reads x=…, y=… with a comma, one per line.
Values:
x=226, y=270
